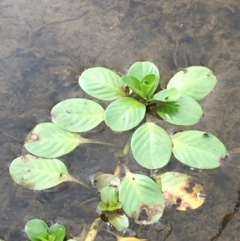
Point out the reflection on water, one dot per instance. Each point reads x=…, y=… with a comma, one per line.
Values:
x=44, y=48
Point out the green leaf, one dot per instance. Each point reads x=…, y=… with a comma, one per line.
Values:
x=43, y=236
x=167, y=95
x=140, y=69
x=58, y=230
x=198, y=149
x=149, y=85
x=184, y=111
x=140, y=194
x=38, y=173
x=34, y=227
x=124, y=114
x=195, y=81
x=49, y=141
x=151, y=146
x=77, y=115
x=104, y=180
x=134, y=84
x=119, y=221
x=109, y=194
x=102, y=83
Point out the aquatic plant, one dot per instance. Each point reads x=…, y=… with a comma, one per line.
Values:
x=38, y=230
x=133, y=96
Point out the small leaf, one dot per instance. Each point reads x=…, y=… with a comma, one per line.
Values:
x=134, y=84
x=124, y=114
x=58, y=230
x=38, y=174
x=44, y=236
x=77, y=115
x=194, y=81
x=198, y=149
x=174, y=185
x=167, y=95
x=184, y=111
x=102, y=83
x=104, y=180
x=151, y=146
x=140, y=194
x=109, y=194
x=34, y=227
x=140, y=69
x=119, y=221
x=149, y=85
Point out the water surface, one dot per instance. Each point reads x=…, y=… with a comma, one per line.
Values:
x=45, y=45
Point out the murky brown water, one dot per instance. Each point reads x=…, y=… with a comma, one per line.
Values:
x=45, y=45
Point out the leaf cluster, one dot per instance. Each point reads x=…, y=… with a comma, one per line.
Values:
x=132, y=95
x=38, y=230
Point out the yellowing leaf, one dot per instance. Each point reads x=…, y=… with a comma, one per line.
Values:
x=119, y=238
x=174, y=185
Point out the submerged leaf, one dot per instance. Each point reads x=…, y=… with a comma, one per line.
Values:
x=102, y=83
x=151, y=146
x=184, y=111
x=77, y=115
x=174, y=185
x=124, y=114
x=38, y=173
x=141, y=196
x=194, y=81
x=198, y=149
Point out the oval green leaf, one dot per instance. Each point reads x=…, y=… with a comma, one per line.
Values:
x=198, y=149
x=139, y=193
x=102, y=83
x=195, y=81
x=184, y=111
x=34, y=227
x=140, y=69
x=38, y=173
x=167, y=95
x=124, y=114
x=77, y=115
x=151, y=146
x=49, y=141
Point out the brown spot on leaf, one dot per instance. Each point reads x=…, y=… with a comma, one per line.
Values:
x=53, y=116
x=24, y=159
x=33, y=137
x=26, y=184
x=146, y=213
